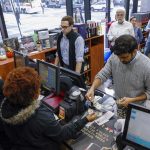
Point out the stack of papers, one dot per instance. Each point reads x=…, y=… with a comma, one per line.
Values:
x=104, y=118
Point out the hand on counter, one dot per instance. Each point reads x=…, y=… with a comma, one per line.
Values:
x=91, y=117
x=90, y=94
x=124, y=101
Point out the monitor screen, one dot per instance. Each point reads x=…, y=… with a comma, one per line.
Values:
x=76, y=78
x=20, y=60
x=136, y=132
x=49, y=74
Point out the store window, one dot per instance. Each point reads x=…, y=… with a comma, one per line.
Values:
x=139, y=6
x=22, y=17
x=98, y=9
x=0, y=37
x=143, y=6
x=98, y=12
x=131, y=8
x=115, y=4
x=78, y=11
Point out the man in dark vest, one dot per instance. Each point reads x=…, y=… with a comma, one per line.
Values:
x=70, y=46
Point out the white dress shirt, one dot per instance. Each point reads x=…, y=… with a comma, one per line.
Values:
x=117, y=30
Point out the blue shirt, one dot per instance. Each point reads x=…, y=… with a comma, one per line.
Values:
x=79, y=49
x=138, y=34
x=147, y=29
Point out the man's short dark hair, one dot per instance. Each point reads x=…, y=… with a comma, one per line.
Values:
x=69, y=19
x=124, y=44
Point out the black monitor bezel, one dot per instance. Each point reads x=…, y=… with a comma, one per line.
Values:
x=125, y=140
x=57, y=92
x=74, y=75
x=25, y=57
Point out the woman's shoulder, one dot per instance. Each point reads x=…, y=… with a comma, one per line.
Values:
x=45, y=111
x=43, y=116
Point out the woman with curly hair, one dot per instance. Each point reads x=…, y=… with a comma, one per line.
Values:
x=28, y=124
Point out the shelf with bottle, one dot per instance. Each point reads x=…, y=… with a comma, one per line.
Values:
x=90, y=38
x=86, y=48
x=86, y=54
x=87, y=77
x=86, y=63
x=86, y=71
x=93, y=28
x=142, y=25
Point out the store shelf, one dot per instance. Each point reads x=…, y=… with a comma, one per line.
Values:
x=94, y=59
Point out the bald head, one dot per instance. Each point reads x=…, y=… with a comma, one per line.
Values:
x=120, y=15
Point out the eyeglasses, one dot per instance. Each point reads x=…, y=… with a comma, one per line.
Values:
x=64, y=27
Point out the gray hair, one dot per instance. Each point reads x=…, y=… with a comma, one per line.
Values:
x=121, y=10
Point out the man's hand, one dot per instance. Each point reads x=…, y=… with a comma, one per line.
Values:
x=90, y=94
x=125, y=101
x=78, y=67
x=91, y=117
x=56, y=60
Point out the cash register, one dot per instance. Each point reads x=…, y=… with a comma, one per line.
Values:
x=61, y=88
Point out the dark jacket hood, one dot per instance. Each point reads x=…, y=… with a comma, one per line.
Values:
x=15, y=114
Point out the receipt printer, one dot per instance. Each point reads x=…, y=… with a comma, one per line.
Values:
x=72, y=105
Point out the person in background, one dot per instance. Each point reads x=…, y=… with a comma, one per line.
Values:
x=147, y=46
x=27, y=123
x=42, y=7
x=119, y=27
x=17, y=14
x=70, y=47
x=130, y=70
x=137, y=31
x=78, y=16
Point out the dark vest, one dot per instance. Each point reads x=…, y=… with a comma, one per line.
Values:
x=72, y=36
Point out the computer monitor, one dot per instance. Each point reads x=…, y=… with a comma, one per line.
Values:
x=136, y=131
x=75, y=78
x=20, y=59
x=49, y=74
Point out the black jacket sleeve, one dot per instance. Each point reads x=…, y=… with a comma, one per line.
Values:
x=59, y=133
x=4, y=140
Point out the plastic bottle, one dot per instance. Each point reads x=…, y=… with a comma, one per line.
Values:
x=39, y=45
x=2, y=53
x=99, y=28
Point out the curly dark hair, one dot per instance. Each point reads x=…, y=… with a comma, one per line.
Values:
x=22, y=86
x=69, y=19
x=124, y=44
